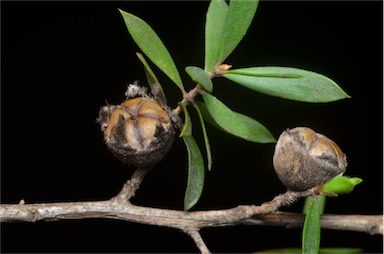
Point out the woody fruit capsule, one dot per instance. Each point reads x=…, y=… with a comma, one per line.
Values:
x=304, y=159
x=139, y=131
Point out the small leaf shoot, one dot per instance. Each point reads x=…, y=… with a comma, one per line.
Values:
x=340, y=185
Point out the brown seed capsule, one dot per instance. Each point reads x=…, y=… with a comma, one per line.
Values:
x=304, y=159
x=138, y=131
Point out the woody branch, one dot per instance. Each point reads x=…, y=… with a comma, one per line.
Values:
x=120, y=208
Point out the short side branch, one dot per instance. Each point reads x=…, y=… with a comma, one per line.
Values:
x=131, y=186
x=195, y=235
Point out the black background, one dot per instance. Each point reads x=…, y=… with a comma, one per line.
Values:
x=61, y=61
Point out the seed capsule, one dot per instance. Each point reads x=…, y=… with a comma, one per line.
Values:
x=304, y=159
x=138, y=131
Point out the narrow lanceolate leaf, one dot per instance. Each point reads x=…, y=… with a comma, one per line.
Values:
x=259, y=133
x=239, y=18
x=152, y=46
x=207, y=117
x=225, y=27
x=235, y=123
x=153, y=82
x=214, y=27
x=201, y=77
x=195, y=181
x=206, y=140
x=186, y=130
x=320, y=203
x=196, y=175
x=311, y=230
x=288, y=83
x=150, y=75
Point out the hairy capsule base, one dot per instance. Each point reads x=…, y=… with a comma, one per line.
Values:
x=304, y=159
x=138, y=131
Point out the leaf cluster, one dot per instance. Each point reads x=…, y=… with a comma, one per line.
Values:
x=225, y=26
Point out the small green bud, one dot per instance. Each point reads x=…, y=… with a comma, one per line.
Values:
x=339, y=185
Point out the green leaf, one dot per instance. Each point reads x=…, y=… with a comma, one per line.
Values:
x=186, y=130
x=288, y=83
x=214, y=27
x=311, y=230
x=225, y=27
x=201, y=77
x=235, y=123
x=258, y=132
x=150, y=75
x=207, y=117
x=322, y=250
x=239, y=18
x=152, y=46
x=206, y=140
x=320, y=203
x=196, y=176
x=153, y=82
x=340, y=185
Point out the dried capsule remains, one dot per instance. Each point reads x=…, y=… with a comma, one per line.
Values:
x=304, y=159
x=138, y=131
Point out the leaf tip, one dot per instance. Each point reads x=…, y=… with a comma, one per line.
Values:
x=122, y=12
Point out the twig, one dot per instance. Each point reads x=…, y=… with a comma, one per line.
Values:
x=195, y=235
x=130, y=187
x=285, y=199
x=370, y=224
x=120, y=208
x=188, y=98
x=111, y=209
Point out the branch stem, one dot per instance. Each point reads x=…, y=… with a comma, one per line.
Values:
x=119, y=208
x=240, y=215
x=131, y=186
x=195, y=235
